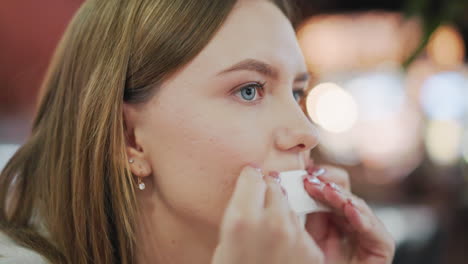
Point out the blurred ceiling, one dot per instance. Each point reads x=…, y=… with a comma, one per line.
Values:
x=454, y=11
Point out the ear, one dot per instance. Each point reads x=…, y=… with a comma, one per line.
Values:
x=138, y=160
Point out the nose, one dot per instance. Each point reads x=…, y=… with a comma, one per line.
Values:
x=295, y=132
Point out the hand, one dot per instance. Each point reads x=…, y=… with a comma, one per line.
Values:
x=351, y=233
x=259, y=227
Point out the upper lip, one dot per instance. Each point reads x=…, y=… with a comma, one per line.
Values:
x=297, y=163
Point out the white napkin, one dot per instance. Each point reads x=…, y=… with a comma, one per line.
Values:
x=299, y=200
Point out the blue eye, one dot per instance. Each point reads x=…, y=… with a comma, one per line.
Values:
x=298, y=95
x=250, y=91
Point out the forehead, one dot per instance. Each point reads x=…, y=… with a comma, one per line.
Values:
x=255, y=29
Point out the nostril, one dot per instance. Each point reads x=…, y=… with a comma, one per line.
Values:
x=301, y=146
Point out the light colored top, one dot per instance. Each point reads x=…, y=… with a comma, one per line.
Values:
x=6, y=152
x=12, y=253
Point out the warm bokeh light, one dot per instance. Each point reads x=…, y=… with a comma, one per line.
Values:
x=332, y=43
x=332, y=108
x=446, y=47
x=385, y=134
x=443, y=140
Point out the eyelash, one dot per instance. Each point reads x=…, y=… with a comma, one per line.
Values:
x=299, y=92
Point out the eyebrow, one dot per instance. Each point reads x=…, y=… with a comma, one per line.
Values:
x=262, y=68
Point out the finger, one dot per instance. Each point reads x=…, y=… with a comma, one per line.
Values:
x=367, y=227
x=336, y=197
x=275, y=197
x=333, y=246
x=313, y=251
x=370, y=231
x=331, y=174
x=328, y=193
x=249, y=193
x=296, y=225
x=343, y=223
x=333, y=196
x=295, y=221
x=317, y=225
x=278, y=221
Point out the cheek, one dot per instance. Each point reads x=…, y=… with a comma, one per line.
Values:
x=196, y=159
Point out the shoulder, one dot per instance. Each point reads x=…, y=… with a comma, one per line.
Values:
x=11, y=253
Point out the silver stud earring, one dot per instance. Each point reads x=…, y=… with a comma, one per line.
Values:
x=141, y=184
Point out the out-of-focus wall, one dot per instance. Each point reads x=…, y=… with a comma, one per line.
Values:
x=29, y=31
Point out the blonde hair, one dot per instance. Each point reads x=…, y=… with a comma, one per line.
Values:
x=72, y=171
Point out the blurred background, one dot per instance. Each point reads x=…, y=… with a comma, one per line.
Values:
x=389, y=95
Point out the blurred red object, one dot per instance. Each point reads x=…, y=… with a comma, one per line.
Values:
x=29, y=32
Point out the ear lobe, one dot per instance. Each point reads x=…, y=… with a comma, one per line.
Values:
x=139, y=166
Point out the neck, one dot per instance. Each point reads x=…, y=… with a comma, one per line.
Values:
x=164, y=236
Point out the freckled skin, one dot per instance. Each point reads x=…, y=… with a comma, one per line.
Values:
x=197, y=136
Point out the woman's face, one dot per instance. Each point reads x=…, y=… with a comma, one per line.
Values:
x=213, y=117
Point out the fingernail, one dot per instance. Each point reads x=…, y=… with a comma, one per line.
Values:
x=319, y=172
x=335, y=187
x=275, y=175
x=315, y=181
x=316, y=171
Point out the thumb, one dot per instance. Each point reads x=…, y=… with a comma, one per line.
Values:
x=317, y=225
